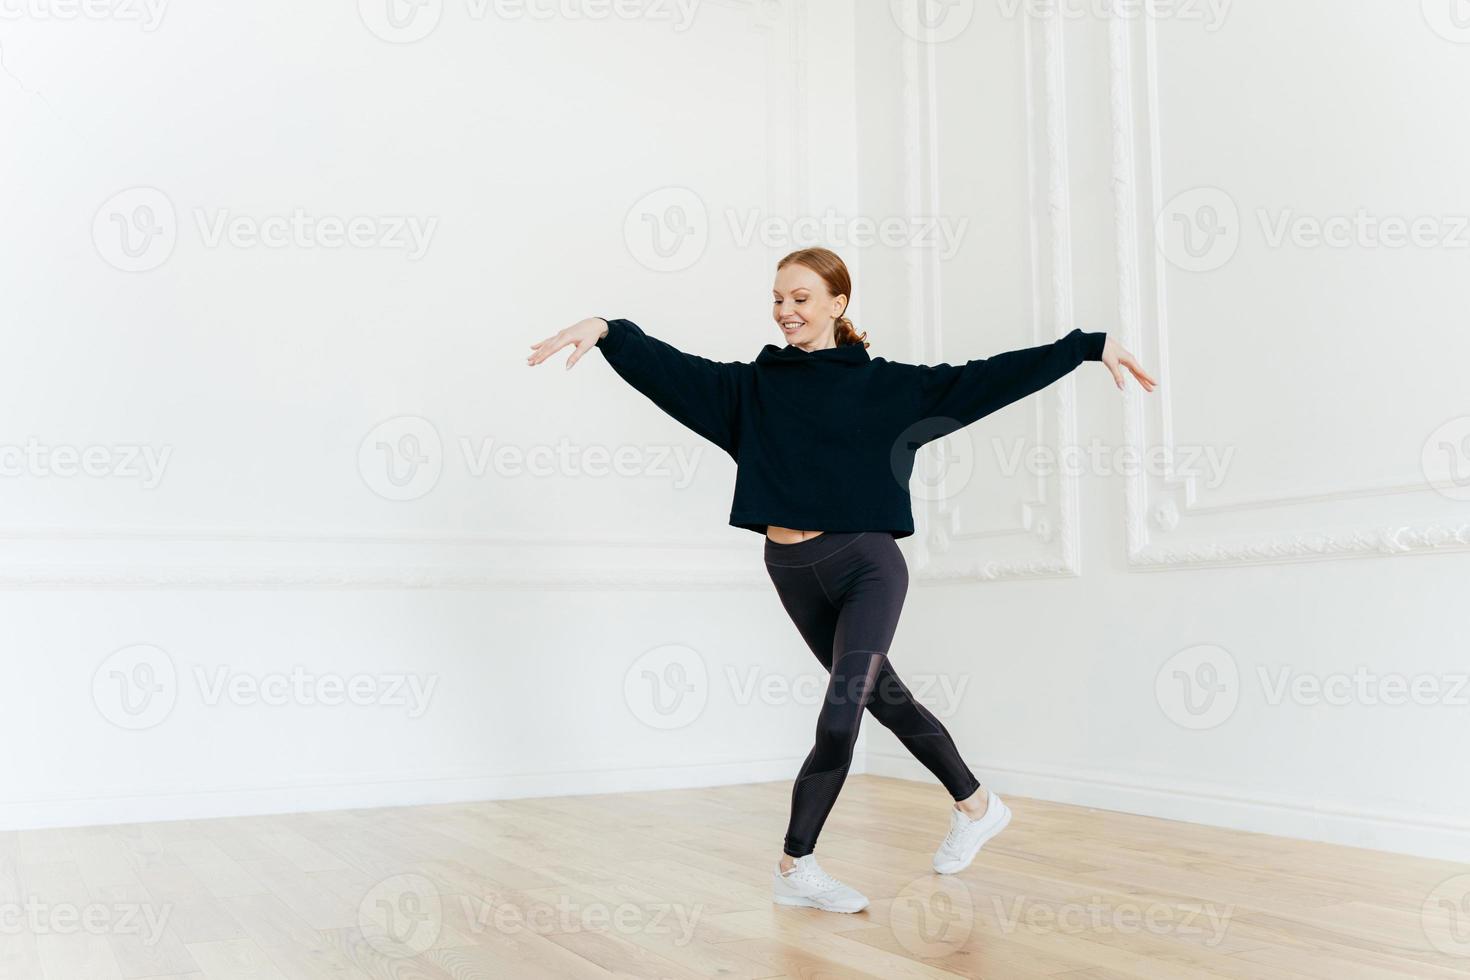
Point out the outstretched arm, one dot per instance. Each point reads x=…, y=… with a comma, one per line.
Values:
x=953, y=396
x=699, y=393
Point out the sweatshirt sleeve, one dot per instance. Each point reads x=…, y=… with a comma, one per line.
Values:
x=701, y=394
x=953, y=396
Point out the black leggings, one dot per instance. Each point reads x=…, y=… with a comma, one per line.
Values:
x=844, y=590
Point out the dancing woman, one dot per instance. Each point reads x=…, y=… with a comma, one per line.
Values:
x=824, y=438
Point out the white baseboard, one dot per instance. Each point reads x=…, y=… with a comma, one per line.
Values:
x=326, y=794
x=1401, y=833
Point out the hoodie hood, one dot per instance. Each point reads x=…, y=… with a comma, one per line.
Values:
x=841, y=354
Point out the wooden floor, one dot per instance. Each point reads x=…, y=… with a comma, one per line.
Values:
x=676, y=884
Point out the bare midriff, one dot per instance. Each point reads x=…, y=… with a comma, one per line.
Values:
x=786, y=535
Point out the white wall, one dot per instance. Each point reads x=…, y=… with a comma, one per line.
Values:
x=284, y=393
x=1122, y=639
x=550, y=617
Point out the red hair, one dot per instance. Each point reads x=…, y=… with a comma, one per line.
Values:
x=833, y=271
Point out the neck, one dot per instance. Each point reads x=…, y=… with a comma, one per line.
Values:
x=826, y=342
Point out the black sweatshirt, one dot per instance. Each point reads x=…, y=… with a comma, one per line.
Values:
x=825, y=440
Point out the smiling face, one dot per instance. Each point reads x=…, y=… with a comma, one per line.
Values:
x=803, y=308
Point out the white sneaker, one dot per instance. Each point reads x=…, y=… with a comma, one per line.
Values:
x=966, y=836
x=809, y=886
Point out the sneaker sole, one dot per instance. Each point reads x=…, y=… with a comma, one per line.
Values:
x=1005, y=821
x=807, y=903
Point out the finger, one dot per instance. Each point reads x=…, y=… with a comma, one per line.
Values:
x=575, y=356
x=549, y=347
x=1117, y=374
x=1138, y=372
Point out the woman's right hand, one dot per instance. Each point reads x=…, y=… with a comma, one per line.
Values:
x=584, y=334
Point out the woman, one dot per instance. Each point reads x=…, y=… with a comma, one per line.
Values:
x=824, y=437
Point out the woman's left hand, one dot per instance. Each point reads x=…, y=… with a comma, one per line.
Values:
x=1116, y=357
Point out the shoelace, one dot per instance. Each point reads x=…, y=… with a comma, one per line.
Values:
x=956, y=831
x=816, y=876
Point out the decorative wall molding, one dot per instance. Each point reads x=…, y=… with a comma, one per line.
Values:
x=1048, y=516
x=1168, y=526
